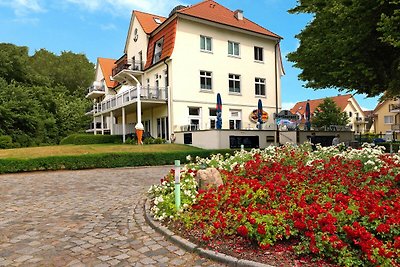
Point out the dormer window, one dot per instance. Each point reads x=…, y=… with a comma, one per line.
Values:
x=157, y=20
x=158, y=50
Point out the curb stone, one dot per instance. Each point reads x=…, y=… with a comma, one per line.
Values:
x=191, y=247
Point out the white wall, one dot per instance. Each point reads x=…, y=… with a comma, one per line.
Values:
x=188, y=61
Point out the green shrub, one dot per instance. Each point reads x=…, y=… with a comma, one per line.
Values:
x=395, y=146
x=87, y=139
x=110, y=160
x=6, y=141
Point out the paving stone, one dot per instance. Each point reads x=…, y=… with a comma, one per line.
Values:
x=83, y=218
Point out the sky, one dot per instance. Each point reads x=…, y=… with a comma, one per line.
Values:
x=98, y=28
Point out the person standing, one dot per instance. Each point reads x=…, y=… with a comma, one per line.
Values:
x=336, y=140
x=313, y=141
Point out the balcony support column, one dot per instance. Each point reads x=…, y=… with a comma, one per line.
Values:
x=112, y=123
x=123, y=125
x=94, y=125
x=102, y=124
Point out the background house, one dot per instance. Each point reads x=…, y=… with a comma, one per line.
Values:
x=180, y=63
x=387, y=118
x=347, y=103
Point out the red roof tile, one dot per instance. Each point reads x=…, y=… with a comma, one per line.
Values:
x=212, y=11
x=168, y=33
x=147, y=21
x=341, y=101
x=106, y=65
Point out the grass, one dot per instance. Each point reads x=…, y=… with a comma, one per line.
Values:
x=63, y=150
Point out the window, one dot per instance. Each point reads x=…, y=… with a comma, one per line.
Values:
x=388, y=119
x=147, y=126
x=233, y=49
x=213, y=117
x=234, y=83
x=157, y=20
x=162, y=128
x=260, y=86
x=235, y=120
x=350, y=114
x=158, y=50
x=205, y=80
x=205, y=43
x=194, y=118
x=258, y=53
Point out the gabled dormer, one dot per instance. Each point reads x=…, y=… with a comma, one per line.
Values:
x=103, y=83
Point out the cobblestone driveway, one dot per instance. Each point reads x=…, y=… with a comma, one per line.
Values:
x=83, y=218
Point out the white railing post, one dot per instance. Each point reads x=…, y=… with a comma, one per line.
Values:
x=123, y=125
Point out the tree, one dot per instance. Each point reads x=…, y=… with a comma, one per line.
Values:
x=14, y=63
x=328, y=113
x=350, y=45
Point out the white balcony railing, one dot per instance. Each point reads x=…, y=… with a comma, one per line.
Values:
x=130, y=96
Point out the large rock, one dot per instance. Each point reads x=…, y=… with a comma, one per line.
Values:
x=209, y=177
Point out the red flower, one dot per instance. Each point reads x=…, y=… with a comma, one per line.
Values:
x=261, y=229
x=242, y=230
x=383, y=228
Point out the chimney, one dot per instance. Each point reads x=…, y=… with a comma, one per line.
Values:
x=238, y=14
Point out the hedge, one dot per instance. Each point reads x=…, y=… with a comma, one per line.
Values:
x=395, y=146
x=110, y=160
x=87, y=139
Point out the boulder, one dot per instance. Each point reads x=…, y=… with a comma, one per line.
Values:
x=209, y=177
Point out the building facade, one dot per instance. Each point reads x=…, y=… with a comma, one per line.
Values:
x=347, y=103
x=387, y=118
x=173, y=68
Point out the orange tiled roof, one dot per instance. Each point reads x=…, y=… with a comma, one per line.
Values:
x=106, y=65
x=341, y=101
x=147, y=21
x=168, y=33
x=212, y=11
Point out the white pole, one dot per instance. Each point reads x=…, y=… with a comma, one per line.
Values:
x=123, y=125
x=94, y=125
x=139, y=124
x=102, y=124
x=168, y=93
x=111, y=123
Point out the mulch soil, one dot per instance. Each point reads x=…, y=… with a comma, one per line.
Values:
x=278, y=255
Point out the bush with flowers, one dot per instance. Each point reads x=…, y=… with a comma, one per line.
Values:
x=341, y=205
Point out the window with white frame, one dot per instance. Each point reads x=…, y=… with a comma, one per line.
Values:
x=213, y=117
x=260, y=86
x=147, y=126
x=162, y=128
x=205, y=43
x=234, y=83
x=233, y=49
x=258, y=53
x=194, y=118
x=158, y=50
x=235, y=119
x=388, y=119
x=206, y=80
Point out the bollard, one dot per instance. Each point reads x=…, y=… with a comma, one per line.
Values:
x=177, y=184
x=241, y=147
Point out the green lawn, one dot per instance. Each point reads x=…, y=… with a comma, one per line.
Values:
x=62, y=150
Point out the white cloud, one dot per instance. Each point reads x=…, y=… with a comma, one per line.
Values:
x=108, y=27
x=23, y=7
x=118, y=7
x=288, y=105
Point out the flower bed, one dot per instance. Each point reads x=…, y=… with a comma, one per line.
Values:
x=343, y=206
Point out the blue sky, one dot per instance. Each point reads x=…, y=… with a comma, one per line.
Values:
x=98, y=28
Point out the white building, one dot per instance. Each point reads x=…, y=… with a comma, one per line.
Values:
x=179, y=64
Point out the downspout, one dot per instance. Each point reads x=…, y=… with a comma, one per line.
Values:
x=168, y=91
x=276, y=91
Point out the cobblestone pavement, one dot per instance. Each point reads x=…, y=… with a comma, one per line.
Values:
x=83, y=218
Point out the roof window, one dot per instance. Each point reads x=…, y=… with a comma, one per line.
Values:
x=157, y=20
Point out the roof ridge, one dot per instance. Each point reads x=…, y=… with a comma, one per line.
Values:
x=322, y=98
x=105, y=58
x=191, y=6
x=151, y=14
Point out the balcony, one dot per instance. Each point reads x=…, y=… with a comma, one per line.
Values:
x=396, y=127
x=360, y=120
x=395, y=108
x=125, y=68
x=95, y=90
x=128, y=97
